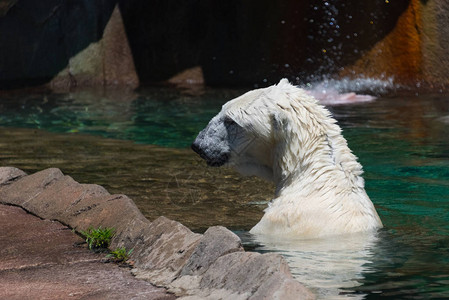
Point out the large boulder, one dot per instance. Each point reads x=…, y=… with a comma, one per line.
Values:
x=215, y=242
x=80, y=42
x=108, y=62
x=167, y=247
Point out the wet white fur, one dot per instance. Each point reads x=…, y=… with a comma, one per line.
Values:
x=284, y=135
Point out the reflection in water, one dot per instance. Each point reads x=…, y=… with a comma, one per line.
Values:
x=158, y=116
x=331, y=266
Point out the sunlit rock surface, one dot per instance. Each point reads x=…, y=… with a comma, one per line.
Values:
x=43, y=259
x=165, y=251
x=415, y=51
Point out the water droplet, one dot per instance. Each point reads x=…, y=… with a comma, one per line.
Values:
x=231, y=72
x=282, y=22
x=287, y=65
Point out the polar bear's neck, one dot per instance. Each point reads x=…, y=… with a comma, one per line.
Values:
x=320, y=184
x=318, y=155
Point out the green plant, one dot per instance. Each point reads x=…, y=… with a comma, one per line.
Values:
x=98, y=238
x=120, y=254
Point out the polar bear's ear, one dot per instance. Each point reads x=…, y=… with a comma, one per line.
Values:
x=279, y=94
x=280, y=124
x=283, y=81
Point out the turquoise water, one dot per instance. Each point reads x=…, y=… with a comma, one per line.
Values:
x=158, y=116
x=402, y=142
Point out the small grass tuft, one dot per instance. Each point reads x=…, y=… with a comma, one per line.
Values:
x=99, y=238
x=120, y=254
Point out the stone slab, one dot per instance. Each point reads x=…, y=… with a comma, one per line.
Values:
x=43, y=259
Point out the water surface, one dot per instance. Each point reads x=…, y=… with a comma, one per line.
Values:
x=137, y=144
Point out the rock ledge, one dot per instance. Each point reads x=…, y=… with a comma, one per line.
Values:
x=212, y=265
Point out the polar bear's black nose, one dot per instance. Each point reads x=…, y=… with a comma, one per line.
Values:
x=200, y=151
x=214, y=160
x=196, y=148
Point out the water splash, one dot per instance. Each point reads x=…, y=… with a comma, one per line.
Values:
x=347, y=90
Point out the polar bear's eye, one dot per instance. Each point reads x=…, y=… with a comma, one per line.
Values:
x=228, y=121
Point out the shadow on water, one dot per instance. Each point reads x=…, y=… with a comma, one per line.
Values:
x=401, y=141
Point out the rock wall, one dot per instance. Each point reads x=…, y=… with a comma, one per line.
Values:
x=212, y=265
x=81, y=42
x=415, y=51
x=108, y=62
x=253, y=42
x=227, y=43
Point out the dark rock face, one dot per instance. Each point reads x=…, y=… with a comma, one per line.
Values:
x=39, y=37
x=252, y=42
x=166, y=37
x=107, y=62
x=229, y=42
x=234, y=42
x=165, y=252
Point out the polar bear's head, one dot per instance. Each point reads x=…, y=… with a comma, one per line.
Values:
x=254, y=132
x=240, y=135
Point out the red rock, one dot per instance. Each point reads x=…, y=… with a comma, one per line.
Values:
x=42, y=259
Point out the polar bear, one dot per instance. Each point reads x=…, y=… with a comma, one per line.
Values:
x=282, y=134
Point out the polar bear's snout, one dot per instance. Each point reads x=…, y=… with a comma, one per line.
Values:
x=212, y=144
